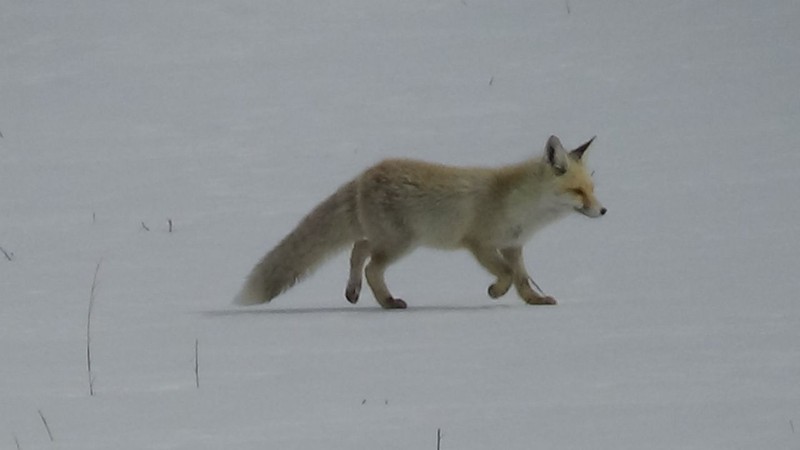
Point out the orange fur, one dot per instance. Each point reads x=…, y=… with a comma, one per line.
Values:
x=399, y=204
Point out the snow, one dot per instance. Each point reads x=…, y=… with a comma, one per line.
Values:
x=678, y=323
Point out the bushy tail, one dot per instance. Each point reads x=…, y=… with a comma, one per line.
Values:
x=326, y=229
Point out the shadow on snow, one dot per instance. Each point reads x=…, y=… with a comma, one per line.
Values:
x=245, y=311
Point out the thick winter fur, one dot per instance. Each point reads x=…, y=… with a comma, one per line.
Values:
x=327, y=229
x=398, y=205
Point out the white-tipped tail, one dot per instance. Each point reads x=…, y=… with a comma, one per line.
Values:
x=325, y=230
x=246, y=297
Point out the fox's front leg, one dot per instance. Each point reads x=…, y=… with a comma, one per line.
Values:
x=491, y=260
x=521, y=279
x=358, y=257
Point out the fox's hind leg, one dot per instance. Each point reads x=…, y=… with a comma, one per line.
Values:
x=522, y=281
x=358, y=257
x=491, y=260
x=380, y=257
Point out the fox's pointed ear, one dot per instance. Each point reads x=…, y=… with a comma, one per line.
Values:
x=577, y=154
x=556, y=156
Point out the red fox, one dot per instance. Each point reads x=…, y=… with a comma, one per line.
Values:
x=398, y=205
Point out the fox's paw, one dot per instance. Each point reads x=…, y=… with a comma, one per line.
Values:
x=352, y=293
x=538, y=300
x=549, y=301
x=394, y=303
x=499, y=289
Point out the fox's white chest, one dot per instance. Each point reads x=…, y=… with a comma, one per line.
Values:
x=522, y=222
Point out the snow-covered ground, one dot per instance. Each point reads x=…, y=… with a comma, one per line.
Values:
x=678, y=325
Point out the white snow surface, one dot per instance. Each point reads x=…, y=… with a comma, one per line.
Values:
x=678, y=325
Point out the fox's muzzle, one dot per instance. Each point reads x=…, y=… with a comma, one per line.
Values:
x=592, y=212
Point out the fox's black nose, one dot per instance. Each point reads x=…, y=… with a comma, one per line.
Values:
x=603, y=211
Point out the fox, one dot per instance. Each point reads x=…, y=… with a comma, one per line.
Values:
x=398, y=205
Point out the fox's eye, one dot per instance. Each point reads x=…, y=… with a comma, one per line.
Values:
x=579, y=193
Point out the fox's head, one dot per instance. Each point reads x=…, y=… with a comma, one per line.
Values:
x=573, y=180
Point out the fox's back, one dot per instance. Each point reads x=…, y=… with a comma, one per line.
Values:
x=435, y=203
